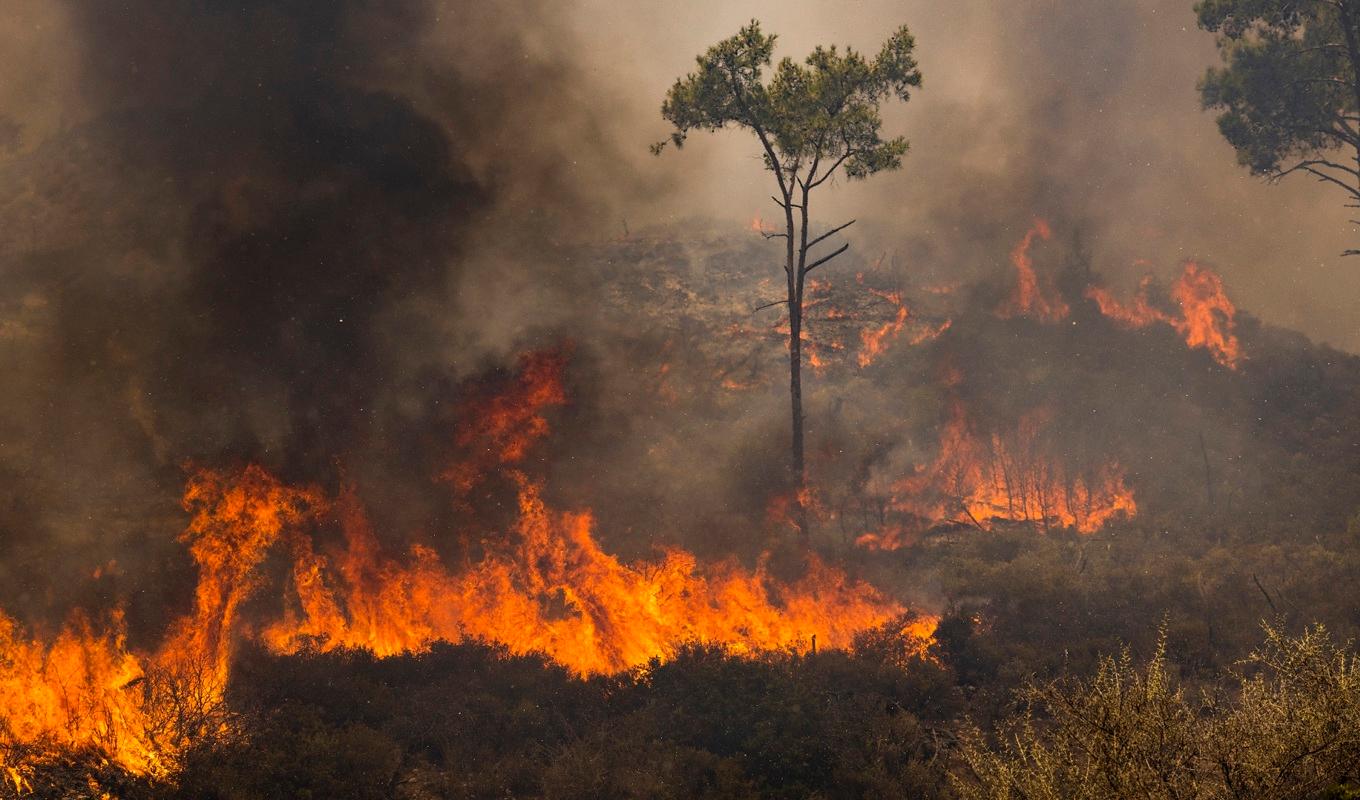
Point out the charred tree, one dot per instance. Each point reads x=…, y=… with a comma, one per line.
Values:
x=812, y=120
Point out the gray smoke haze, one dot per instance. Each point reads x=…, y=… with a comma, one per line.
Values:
x=285, y=231
x=1085, y=113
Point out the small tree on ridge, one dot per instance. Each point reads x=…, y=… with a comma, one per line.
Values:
x=812, y=120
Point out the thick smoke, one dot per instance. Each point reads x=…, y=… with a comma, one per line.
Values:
x=244, y=241
x=1084, y=114
x=286, y=232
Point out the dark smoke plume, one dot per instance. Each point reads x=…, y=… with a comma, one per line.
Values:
x=236, y=249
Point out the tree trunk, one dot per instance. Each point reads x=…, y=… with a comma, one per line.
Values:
x=798, y=472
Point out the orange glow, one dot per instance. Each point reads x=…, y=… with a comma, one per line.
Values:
x=814, y=358
x=551, y=588
x=664, y=390
x=809, y=346
x=781, y=510
x=734, y=385
x=838, y=324
x=981, y=482
x=86, y=690
x=873, y=341
x=1206, y=320
x=1208, y=316
x=757, y=224
x=930, y=333
x=547, y=586
x=510, y=420
x=1033, y=296
x=1138, y=315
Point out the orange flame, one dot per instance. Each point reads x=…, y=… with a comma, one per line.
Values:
x=553, y=589
x=782, y=510
x=829, y=330
x=1207, y=317
x=874, y=341
x=808, y=345
x=87, y=691
x=1032, y=297
x=510, y=421
x=757, y=224
x=78, y=692
x=930, y=333
x=979, y=482
x=548, y=587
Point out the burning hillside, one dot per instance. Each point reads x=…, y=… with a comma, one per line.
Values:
x=1019, y=475
x=398, y=407
x=546, y=586
x=1011, y=445
x=1011, y=450
x=1204, y=315
x=1007, y=478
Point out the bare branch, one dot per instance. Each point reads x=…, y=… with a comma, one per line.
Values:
x=1319, y=48
x=1269, y=602
x=1322, y=176
x=774, y=235
x=1320, y=162
x=1347, y=132
x=1311, y=167
x=830, y=233
x=832, y=169
x=806, y=181
x=770, y=305
x=826, y=258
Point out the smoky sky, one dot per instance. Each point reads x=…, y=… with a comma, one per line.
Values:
x=1085, y=113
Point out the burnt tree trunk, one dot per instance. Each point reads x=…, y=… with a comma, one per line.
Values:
x=797, y=468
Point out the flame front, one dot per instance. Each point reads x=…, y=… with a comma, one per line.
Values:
x=548, y=587
x=552, y=589
x=873, y=341
x=86, y=691
x=979, y=482
x=1207, y=317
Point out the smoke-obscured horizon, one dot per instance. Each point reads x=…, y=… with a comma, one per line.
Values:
x=1086, y=114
